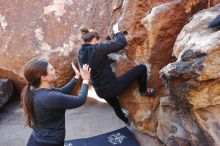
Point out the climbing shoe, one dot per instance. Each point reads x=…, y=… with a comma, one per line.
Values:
x=149, y=92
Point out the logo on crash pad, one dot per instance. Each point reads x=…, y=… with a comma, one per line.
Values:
x=116, y=138
x=68, y=144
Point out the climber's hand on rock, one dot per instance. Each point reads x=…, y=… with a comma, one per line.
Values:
x=116, y=28
x=85, y=73
x=77, y=76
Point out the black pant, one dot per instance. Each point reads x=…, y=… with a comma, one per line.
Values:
x=33, y=142
x=123, y=82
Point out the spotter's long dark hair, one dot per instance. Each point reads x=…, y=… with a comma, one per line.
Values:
x=33, y=71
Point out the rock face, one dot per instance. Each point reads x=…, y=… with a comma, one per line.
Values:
x=151, y=42
x=45, y=29
x=6, y=91
x=193, y=82
x=170, y=128
x=50, y=30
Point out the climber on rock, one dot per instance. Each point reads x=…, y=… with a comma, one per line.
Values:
x=45, y=106
x=106, y=84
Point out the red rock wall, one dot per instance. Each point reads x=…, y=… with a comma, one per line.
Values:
x=51, y=30
x=152, y=35
x=46, y=29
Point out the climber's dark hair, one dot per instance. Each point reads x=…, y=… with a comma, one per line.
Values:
x=33, y=71
x=89, y=35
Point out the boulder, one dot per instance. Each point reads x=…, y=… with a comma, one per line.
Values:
x=6, y=91
x=48, y=30
x=193, y=81
x=152, y=34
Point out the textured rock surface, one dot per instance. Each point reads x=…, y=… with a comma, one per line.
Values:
x=193, y=80
x=170, y=128
x=45, y=29
x=6, y=91
x=213, y=2
x=151, y=42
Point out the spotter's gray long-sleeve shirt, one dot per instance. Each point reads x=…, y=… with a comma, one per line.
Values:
x=49, y=110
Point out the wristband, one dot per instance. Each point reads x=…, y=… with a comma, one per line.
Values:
x=86, y=81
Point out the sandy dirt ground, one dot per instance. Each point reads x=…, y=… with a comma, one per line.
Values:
x=94, y=118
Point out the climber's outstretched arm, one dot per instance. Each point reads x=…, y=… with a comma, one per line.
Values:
x=118, y=43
